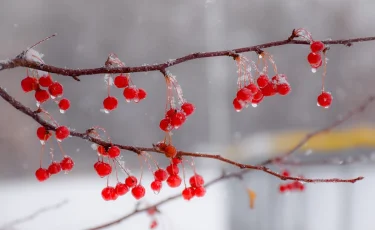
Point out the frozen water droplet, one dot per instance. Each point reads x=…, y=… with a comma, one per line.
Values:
x=326, y=107
x=37, y=104
x=59, y=140
x=318, y=104
x=254, y=105
x=106, y=111
x=52, y=97
x=94, y=146
x=246, y=105
x=176, y=126
x=313, y=70
x=62, y=111
x=127, y=100
x=260, y=56
x=238, y=110
x=136, y=100
x=42, y=142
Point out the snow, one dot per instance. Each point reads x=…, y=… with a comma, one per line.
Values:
x=33, y=55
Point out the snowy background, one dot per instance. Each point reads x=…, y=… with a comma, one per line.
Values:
x=145, y=31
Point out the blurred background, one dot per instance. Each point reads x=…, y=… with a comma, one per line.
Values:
x=147, y=32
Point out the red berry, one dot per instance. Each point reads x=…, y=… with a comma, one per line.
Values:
x=285, y=173
x=178, y=119
x=41, y=95
x=269, y=90
x=238, y=105
x=138, y=192
x=101, y=150
x=200, y=191
x=160, y=175
x=301, y=187
x=314, y=58
x=315, y=66
x=110, y=103
x=64, y=104
x=188, y=108
x=196, y=181
x=176, y=161
x=62, y=132
x=283, y=88
x=153, y=224
x=325, y=99
x=108, y=193
x=29, y=84
x=121, y=189
x=121, y=81
x=289, y=186
x=258, y=97
x=244, y=94
x=317, y=46
x=141, y=94
x=263, y=81
x=282, y=188
x=253, y=88
x=114, y=152
x=296, y=184
x=54, y=168
x=188, y=193
x=67, y=163
x=156, y=185
x=172, y=169
x=130, y=93
x=56, y=89
x=174, y=181
x=131, y=181
x=102, y=169
x=165, y=125
x=45, y=81
x=43, y=134
x=171, y=113
x=42, y=174
x=170, y=151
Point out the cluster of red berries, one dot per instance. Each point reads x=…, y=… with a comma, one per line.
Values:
x=197, y=189
x=315, y=58
x=292, y=186
x=53, y=89
x=175, y=118
x=61, y=133
x=112, y=193
x=66, y=164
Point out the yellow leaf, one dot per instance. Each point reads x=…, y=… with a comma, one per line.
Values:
x=252, y=196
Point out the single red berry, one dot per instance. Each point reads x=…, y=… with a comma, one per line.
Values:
x=283, y=88
x=176, y=160
x=301, y=187
x=62, y=132
x=41, y=95
x=263, y=81
x=43, y=134
x=110, y=103
x=170, y=151
x=165, y=125
x=153, y=224
x=56, y=89
x=253, y=88
x=188, y=108
x=171, y=113
x=131, y=181
x=142, y=94
x=161, y=146
x=64, y=104
x=114, y=152
x=42, y=174
x=282, y=188
x=160, y=175
x=289, y=186
x=121, y=189
x=101, y=150
x=121, y=81
x=130, y=93
x=188, y=193
x=103, y=169
x=108, y=193
x=196, y=181
x=67, y=163
x=244, y=94
x=54, y=168
x=258, y=97
x=238, y=105
x=317, y=46
x=174, y=181
x=269, y=90
x=314, y=58
x=200, y=191
x=45, y=81
x=325, y=99
x=296, y=185
x=178, y=119
x=138, y=192
x=172, y=169
x=29, y=84
x=285, y=173
x=156, y=185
